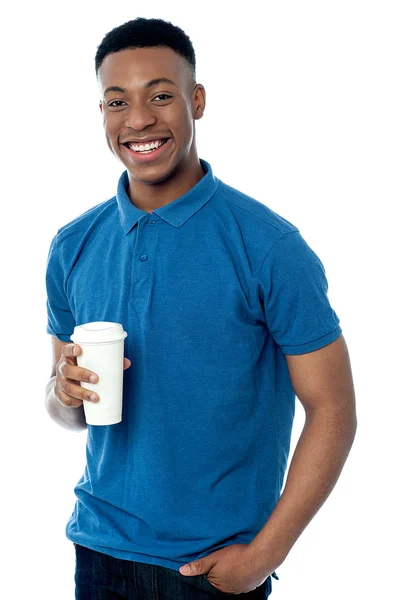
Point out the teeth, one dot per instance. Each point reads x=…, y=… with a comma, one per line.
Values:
x=146, y=147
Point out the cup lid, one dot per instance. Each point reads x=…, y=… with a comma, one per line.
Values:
x=97, y=332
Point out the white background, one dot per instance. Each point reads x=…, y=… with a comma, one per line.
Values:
x=302, y=114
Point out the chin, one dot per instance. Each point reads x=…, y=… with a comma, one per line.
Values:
x=149, y=175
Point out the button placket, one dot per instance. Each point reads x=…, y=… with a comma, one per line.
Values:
x=142, y=276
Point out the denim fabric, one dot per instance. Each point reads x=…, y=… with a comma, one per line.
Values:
x=99, y=576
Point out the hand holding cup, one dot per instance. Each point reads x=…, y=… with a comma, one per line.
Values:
x=102, y=354
x=69, y=376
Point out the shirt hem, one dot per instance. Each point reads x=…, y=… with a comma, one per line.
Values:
x=314, y=345
x=60, y=336
x=132, y=556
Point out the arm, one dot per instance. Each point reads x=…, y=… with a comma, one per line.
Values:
x=322, y=381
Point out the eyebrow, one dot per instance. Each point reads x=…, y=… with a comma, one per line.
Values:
x=116, y=88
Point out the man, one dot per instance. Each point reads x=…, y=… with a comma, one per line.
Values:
x=228, y=319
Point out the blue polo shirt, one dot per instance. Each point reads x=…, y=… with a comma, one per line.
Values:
x=213, y=289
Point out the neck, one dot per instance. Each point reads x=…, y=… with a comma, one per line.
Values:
x=150, y=196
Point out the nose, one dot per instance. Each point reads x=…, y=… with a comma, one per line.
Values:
x=139, y=116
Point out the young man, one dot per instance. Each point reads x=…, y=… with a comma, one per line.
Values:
x=228, y=319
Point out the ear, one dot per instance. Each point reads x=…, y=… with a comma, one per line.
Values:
x=101, y=106
x=199, y=101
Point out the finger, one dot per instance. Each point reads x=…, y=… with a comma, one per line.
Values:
x=72, y=391
x=76, y=373
x=68, y=401
x=71, y=350
x=126, y=363
x=60, y=367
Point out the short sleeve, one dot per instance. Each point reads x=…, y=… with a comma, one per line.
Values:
x=293, y=297
x=60, y=320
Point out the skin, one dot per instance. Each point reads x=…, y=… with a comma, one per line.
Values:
x=139, y=113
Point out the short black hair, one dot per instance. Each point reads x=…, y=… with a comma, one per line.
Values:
x=143, y=33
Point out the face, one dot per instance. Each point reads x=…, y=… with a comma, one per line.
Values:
x=138, y=111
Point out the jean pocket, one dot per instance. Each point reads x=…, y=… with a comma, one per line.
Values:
x=265, y=589
x=211, y=587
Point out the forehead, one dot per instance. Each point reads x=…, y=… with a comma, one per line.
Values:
x=133, y=68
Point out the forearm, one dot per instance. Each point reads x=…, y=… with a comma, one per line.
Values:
x=71, y=418
x=317, y=462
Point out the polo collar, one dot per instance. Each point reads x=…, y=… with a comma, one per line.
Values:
x=176, y=213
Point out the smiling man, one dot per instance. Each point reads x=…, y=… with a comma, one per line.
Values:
x=228, y=319
x=149, y=122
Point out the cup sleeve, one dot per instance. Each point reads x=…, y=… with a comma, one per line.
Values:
x=292, y=293
x=60, y=320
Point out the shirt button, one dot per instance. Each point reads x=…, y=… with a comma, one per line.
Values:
x=143, y=257
x=152, y=223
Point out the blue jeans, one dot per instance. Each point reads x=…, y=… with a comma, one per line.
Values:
x=99, y=576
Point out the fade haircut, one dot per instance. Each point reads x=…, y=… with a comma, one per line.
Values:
x=148, y=33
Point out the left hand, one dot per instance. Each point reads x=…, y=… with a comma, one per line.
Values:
x=233, y=569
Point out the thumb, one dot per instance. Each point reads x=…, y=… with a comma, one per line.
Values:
x=197, y=567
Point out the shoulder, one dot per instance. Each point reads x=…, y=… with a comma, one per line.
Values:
x=86, y=220
x=69, y=239
x=254, y=214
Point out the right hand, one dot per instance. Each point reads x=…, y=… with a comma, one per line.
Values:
x=67, y=389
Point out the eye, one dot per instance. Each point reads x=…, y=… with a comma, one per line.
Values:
x=113, y=102
x=164, y=95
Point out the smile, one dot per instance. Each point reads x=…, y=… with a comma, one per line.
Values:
x=148, y=155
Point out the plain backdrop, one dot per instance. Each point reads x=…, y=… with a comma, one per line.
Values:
x=302, y=115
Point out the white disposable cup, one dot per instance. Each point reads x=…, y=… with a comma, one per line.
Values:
x=102, y=344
